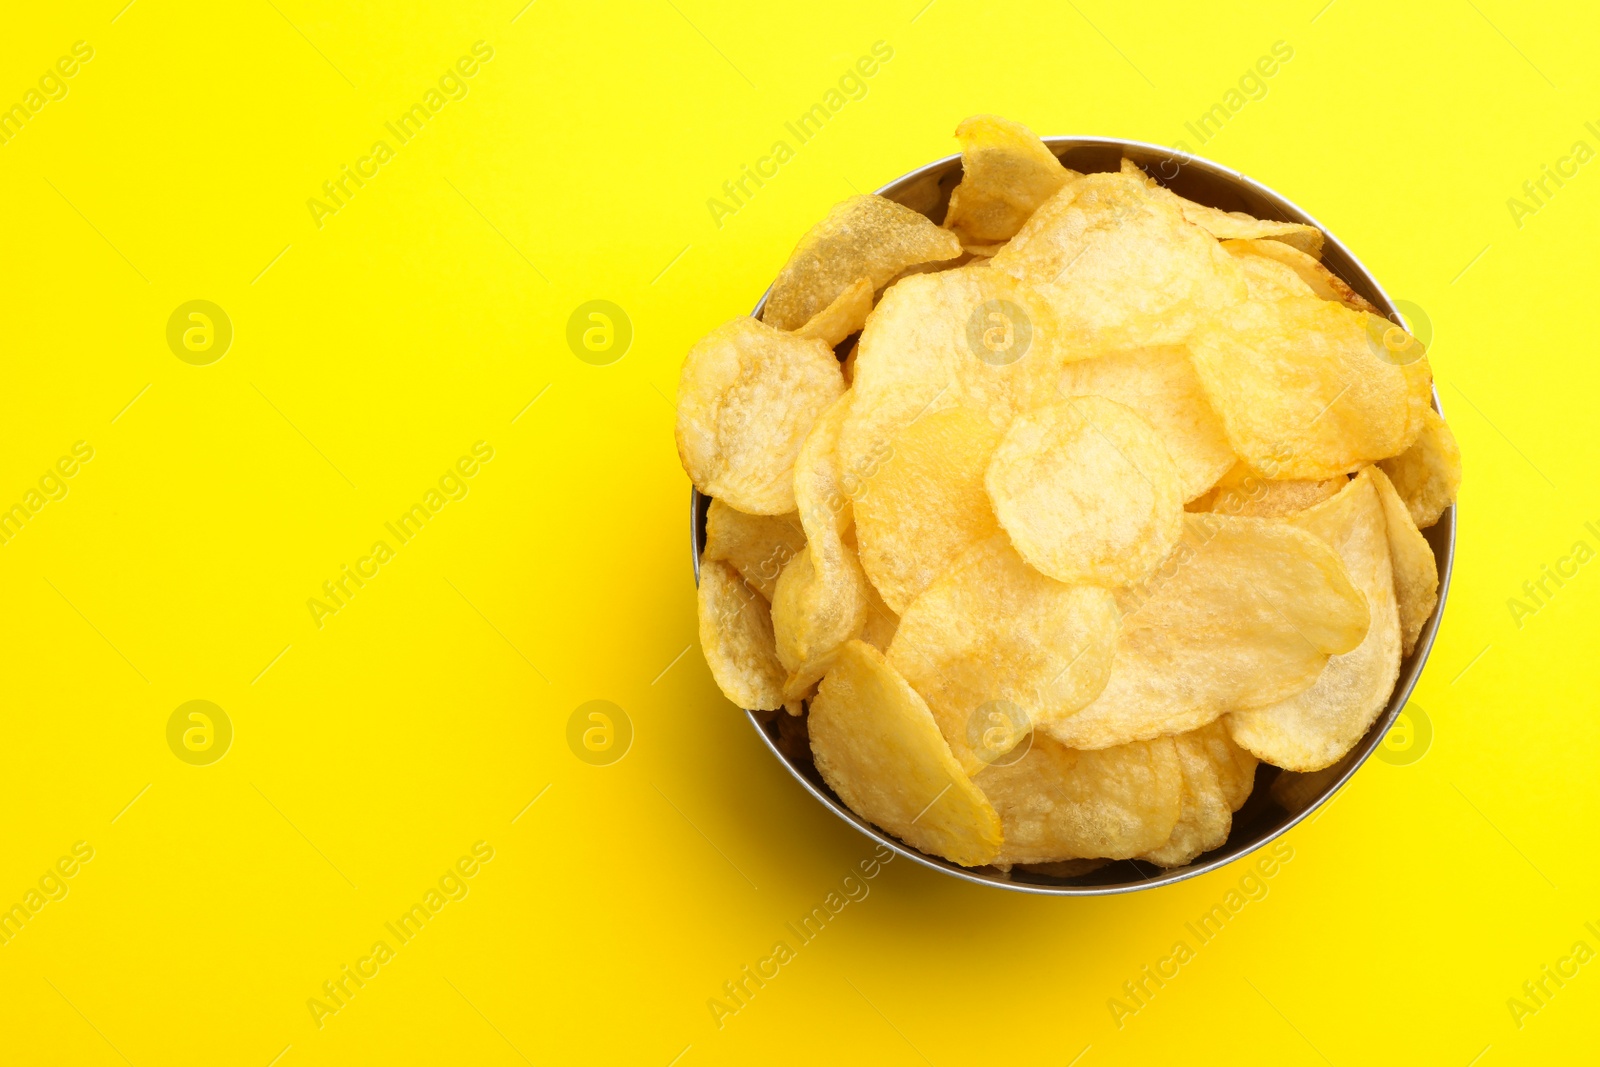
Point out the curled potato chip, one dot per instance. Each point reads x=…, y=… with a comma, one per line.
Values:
x=926, y=504
x=1244, y=492
x=1161, y=386
x=1416, y=572
x=1006, y=173
x=1428, y=474
x=1303, y=390
x=758, y=546
x=993, y=631
x=847, y=314
x=972, y=337
x=1315, y=727
x=821, y=596
x=1058, y=804
x=1122, y=264
x=1087, y=492
x=882, y=621
x=1218, y=776
x=736, y=637
x=863, y=237
x=876, y=745
x=1244, y=612
x=1229, y=225
x=1322, y=281
x=748, y=396
x=1267, y=278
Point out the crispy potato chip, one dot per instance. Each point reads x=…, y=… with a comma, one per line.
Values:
x=1428, y=474
x=1266, y=277
x=1244, y=492
x=748, y=396
x=821, y=597
x=1322, y=281
x=876, y=745
x=758, y=546
x=1314, y=728
x=1006, y=173
x=882, y=622
x=736, y=637
x=1058, y=804
x=926, y=504
x=1303, y=390
x=863, y=237
x=1217, y=778
x=847, y=314
x=1243, y=612
x=1121, y=264
x=1229, y=225
x=1416, y=572
x=1161, y=386
x=993, y=631
x=1087, y=492
x=972, y=338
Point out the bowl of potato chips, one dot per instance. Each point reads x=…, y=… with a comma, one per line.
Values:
x=1072, y=515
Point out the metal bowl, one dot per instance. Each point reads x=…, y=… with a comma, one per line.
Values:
x=1265, y=815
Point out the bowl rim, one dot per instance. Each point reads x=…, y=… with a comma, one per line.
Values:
x=1411, y=666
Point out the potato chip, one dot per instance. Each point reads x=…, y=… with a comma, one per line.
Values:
x=1006, y=173
x=1314, y=728
x=1244, y=612
x=994, y=631
x=736, y=637
x=882, y=622
x=1217, y=778
x=847, y=314
x=758, y=546
x=1058, y=804
x=973, y=338
x=1428, y=474
x=1266, y=277
x=1229, y=225
x=1161, y=386
x=1303, y=390
x=1087, y=492
x=863, y=237
x=1244, y=492
x=926, y=504
x=876, y=745
x=748, y=396
x=1322, y=281
x=1121, y=264
x=1416, y=573
x=821, y=597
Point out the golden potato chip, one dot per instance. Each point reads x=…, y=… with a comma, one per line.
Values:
x=926, y=504
x=1322, y=281
x=1416, y=573
x=882, y=621
x=972, y=338
x=1161, y=386
x=758, y=546
x=1006, y=173
x=1121, y=264
x=1244, y=492
x=821, y=597
x=1266, y=277
x=876, y=745
x=1229, y=225
x=736, y=637
x=1217, y=778
x=1315, y=727
x=1428, y=474
x=1303, y=390
x=847, y=314
x=1087, y=492
x=748, y=396
x=1243, y=612
x=993, y=631
x=863, y=237
x=1057, y=804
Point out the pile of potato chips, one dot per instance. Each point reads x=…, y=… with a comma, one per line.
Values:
x=1048, y=523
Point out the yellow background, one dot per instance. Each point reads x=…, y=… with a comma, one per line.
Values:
x=368, y=354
